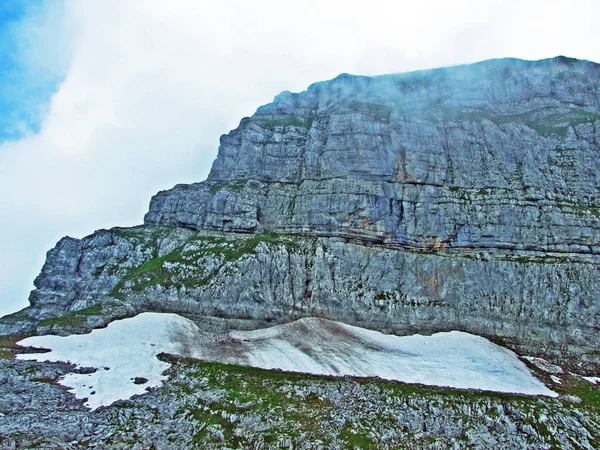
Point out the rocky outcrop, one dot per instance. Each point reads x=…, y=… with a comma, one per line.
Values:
x=545, y=304
x=497, y=155
x=461, y=198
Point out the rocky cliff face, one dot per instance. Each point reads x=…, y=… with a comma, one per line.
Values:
x=497, y=155
x=460, y=198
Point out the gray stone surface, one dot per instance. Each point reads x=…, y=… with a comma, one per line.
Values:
x=499, y=155
x=208, y=406
x=538, y=303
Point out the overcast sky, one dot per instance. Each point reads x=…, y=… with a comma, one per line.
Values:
x=105, y=102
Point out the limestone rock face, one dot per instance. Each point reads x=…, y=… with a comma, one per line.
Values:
x=461, y=198
x=498, y=155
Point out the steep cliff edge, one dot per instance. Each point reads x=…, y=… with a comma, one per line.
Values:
x=460, y=198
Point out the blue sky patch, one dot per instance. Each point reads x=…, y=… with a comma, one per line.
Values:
x=25, y=87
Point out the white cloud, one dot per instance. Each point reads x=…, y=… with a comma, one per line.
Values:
x=151, y=85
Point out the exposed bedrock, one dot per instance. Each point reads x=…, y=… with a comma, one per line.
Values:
x=502, y=154
x=538, y=304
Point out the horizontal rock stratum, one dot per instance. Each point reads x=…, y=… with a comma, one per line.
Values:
x=497, y=155
x=463, y=198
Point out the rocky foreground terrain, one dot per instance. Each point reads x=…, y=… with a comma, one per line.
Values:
x=464, y=198
x=210, y=405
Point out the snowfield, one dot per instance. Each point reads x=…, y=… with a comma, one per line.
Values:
x=124, y=350
x=127, y=350
x=319, y=346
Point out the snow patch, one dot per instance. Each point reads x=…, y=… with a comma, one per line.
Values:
x=122, y=352
x=593, y=380
x=318, y=346
x=125, y=355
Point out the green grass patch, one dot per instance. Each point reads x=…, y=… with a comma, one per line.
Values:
x=545, y=121
x=8, y=346
x=237, y=379
x=152, y=271
x=182, y=266
x=235, y=186
x=355, y=437
x=285, y=122
x=377, y=111
x=16, y=317
x=586, y=391
x=206, y=419
x=72, y=319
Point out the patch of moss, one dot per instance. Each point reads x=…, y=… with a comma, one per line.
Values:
x=235, y=186
x=72, y=319
x=160, y=271
x=8, y=346
x=45, y=380
x=285, y=122
x=142, y=232
x=542, y=259
x=378, y=111
x=545, y=121
x=579, y=209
